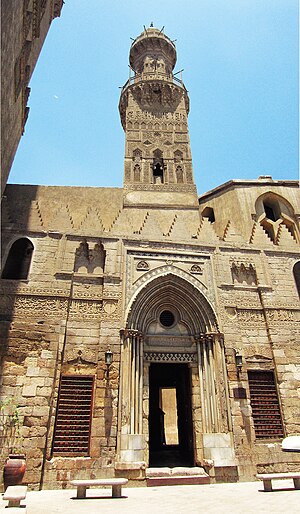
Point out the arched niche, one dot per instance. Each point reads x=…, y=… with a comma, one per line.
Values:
x=171, y=292
x=273, y=210
x=296, y=272
x=18, y=260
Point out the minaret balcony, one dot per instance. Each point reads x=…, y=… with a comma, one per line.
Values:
x=147, y=76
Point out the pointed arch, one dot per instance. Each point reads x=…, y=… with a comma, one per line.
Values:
x=273, y=210
x=170, y=291
x=179, y=175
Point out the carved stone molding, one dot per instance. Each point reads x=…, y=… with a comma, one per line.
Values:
x=170, y=357
x=11, y=288
x=196, y=269
x=46, y=307
x=161, y=271
x=249, y=316
x=110, y=306
x=81, y=357
x=85, y=309
x=181, y=188
x=283, y=315
x=142, y=266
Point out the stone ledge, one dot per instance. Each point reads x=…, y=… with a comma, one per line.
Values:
x=130, y=465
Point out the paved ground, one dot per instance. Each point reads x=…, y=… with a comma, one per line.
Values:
x=241, y=498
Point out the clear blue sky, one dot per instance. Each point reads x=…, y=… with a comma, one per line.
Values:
x=240, y=60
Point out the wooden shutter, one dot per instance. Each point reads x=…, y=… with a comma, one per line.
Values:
x=265, y=405
x=73, y=417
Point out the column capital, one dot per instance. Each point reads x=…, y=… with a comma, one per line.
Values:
x=209, y=336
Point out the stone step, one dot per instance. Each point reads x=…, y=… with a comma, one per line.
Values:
x=176, y=476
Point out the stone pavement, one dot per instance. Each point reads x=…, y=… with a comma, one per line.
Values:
x=241, y=498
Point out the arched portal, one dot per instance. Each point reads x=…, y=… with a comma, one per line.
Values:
x=173, y=376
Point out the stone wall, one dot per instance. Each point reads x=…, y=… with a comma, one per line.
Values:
x=24, y=26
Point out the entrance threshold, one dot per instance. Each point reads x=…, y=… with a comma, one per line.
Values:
x=176, y=476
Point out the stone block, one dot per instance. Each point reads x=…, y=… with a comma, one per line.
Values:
x=45, y=354
x=29, y=390
x=32, y=372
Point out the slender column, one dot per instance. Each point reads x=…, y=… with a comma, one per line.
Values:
x=119, y=424
x=201, y=384
x=137, y=376
x=132, y=384
x=213, y=386
x=207, y=385
x=141, y=344
x=229, y=420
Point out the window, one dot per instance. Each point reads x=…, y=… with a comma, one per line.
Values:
x=167, y=318
x=179, y=175
x=296, y=272
x=73, y=416
x=265, y=405
x=158, y=167
x=208, y=213
x=271, y=211
x=137, y=173
x=18, y=260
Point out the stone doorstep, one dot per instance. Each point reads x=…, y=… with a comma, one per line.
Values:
x=178, y=480
x=176, y=476
x=176, y=471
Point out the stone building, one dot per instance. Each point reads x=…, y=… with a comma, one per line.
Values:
x=24, y=26
x=195, y=300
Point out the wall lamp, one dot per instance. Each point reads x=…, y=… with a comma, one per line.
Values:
x=108, y=361
x=238, y=361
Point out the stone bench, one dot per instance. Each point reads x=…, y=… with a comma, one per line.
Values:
x=116, y=484
x=268, y=477
x=14, y=494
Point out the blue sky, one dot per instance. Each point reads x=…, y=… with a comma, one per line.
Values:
x=240, y=60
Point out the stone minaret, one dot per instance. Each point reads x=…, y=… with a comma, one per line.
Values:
x=154, y=107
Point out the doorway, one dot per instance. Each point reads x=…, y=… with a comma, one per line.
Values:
x=170, y=416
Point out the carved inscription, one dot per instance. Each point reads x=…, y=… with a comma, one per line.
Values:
x=146, y=115
x=46, y=307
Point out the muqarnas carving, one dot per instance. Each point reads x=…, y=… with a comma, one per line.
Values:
x=243, y=273
x=89, y=260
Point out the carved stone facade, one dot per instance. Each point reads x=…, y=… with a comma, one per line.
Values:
x=24, y=26
x=201, y=292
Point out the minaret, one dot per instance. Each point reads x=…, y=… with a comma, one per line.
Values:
x=154, y=107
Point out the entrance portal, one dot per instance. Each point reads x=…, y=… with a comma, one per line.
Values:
x=170, y=416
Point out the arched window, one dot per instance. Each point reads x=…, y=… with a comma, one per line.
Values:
x=272, y=210
x=179, y=175
x=137, y=173
x=208, y=213
x=18, y=260
x=158, y=167
x=296, y=272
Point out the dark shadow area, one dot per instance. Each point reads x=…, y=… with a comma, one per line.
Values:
x=99, y=498
x=176, y=376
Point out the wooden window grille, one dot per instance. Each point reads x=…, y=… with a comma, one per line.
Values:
x=265, y=405
x=73, y=416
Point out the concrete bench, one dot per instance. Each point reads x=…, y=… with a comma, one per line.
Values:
x=14, y=494
x=268, y=477
x=116, y=484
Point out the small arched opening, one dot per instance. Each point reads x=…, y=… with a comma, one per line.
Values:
x=18, y=261
x=296, y=272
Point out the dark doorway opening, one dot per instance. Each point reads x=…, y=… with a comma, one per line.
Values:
x=170, y=416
